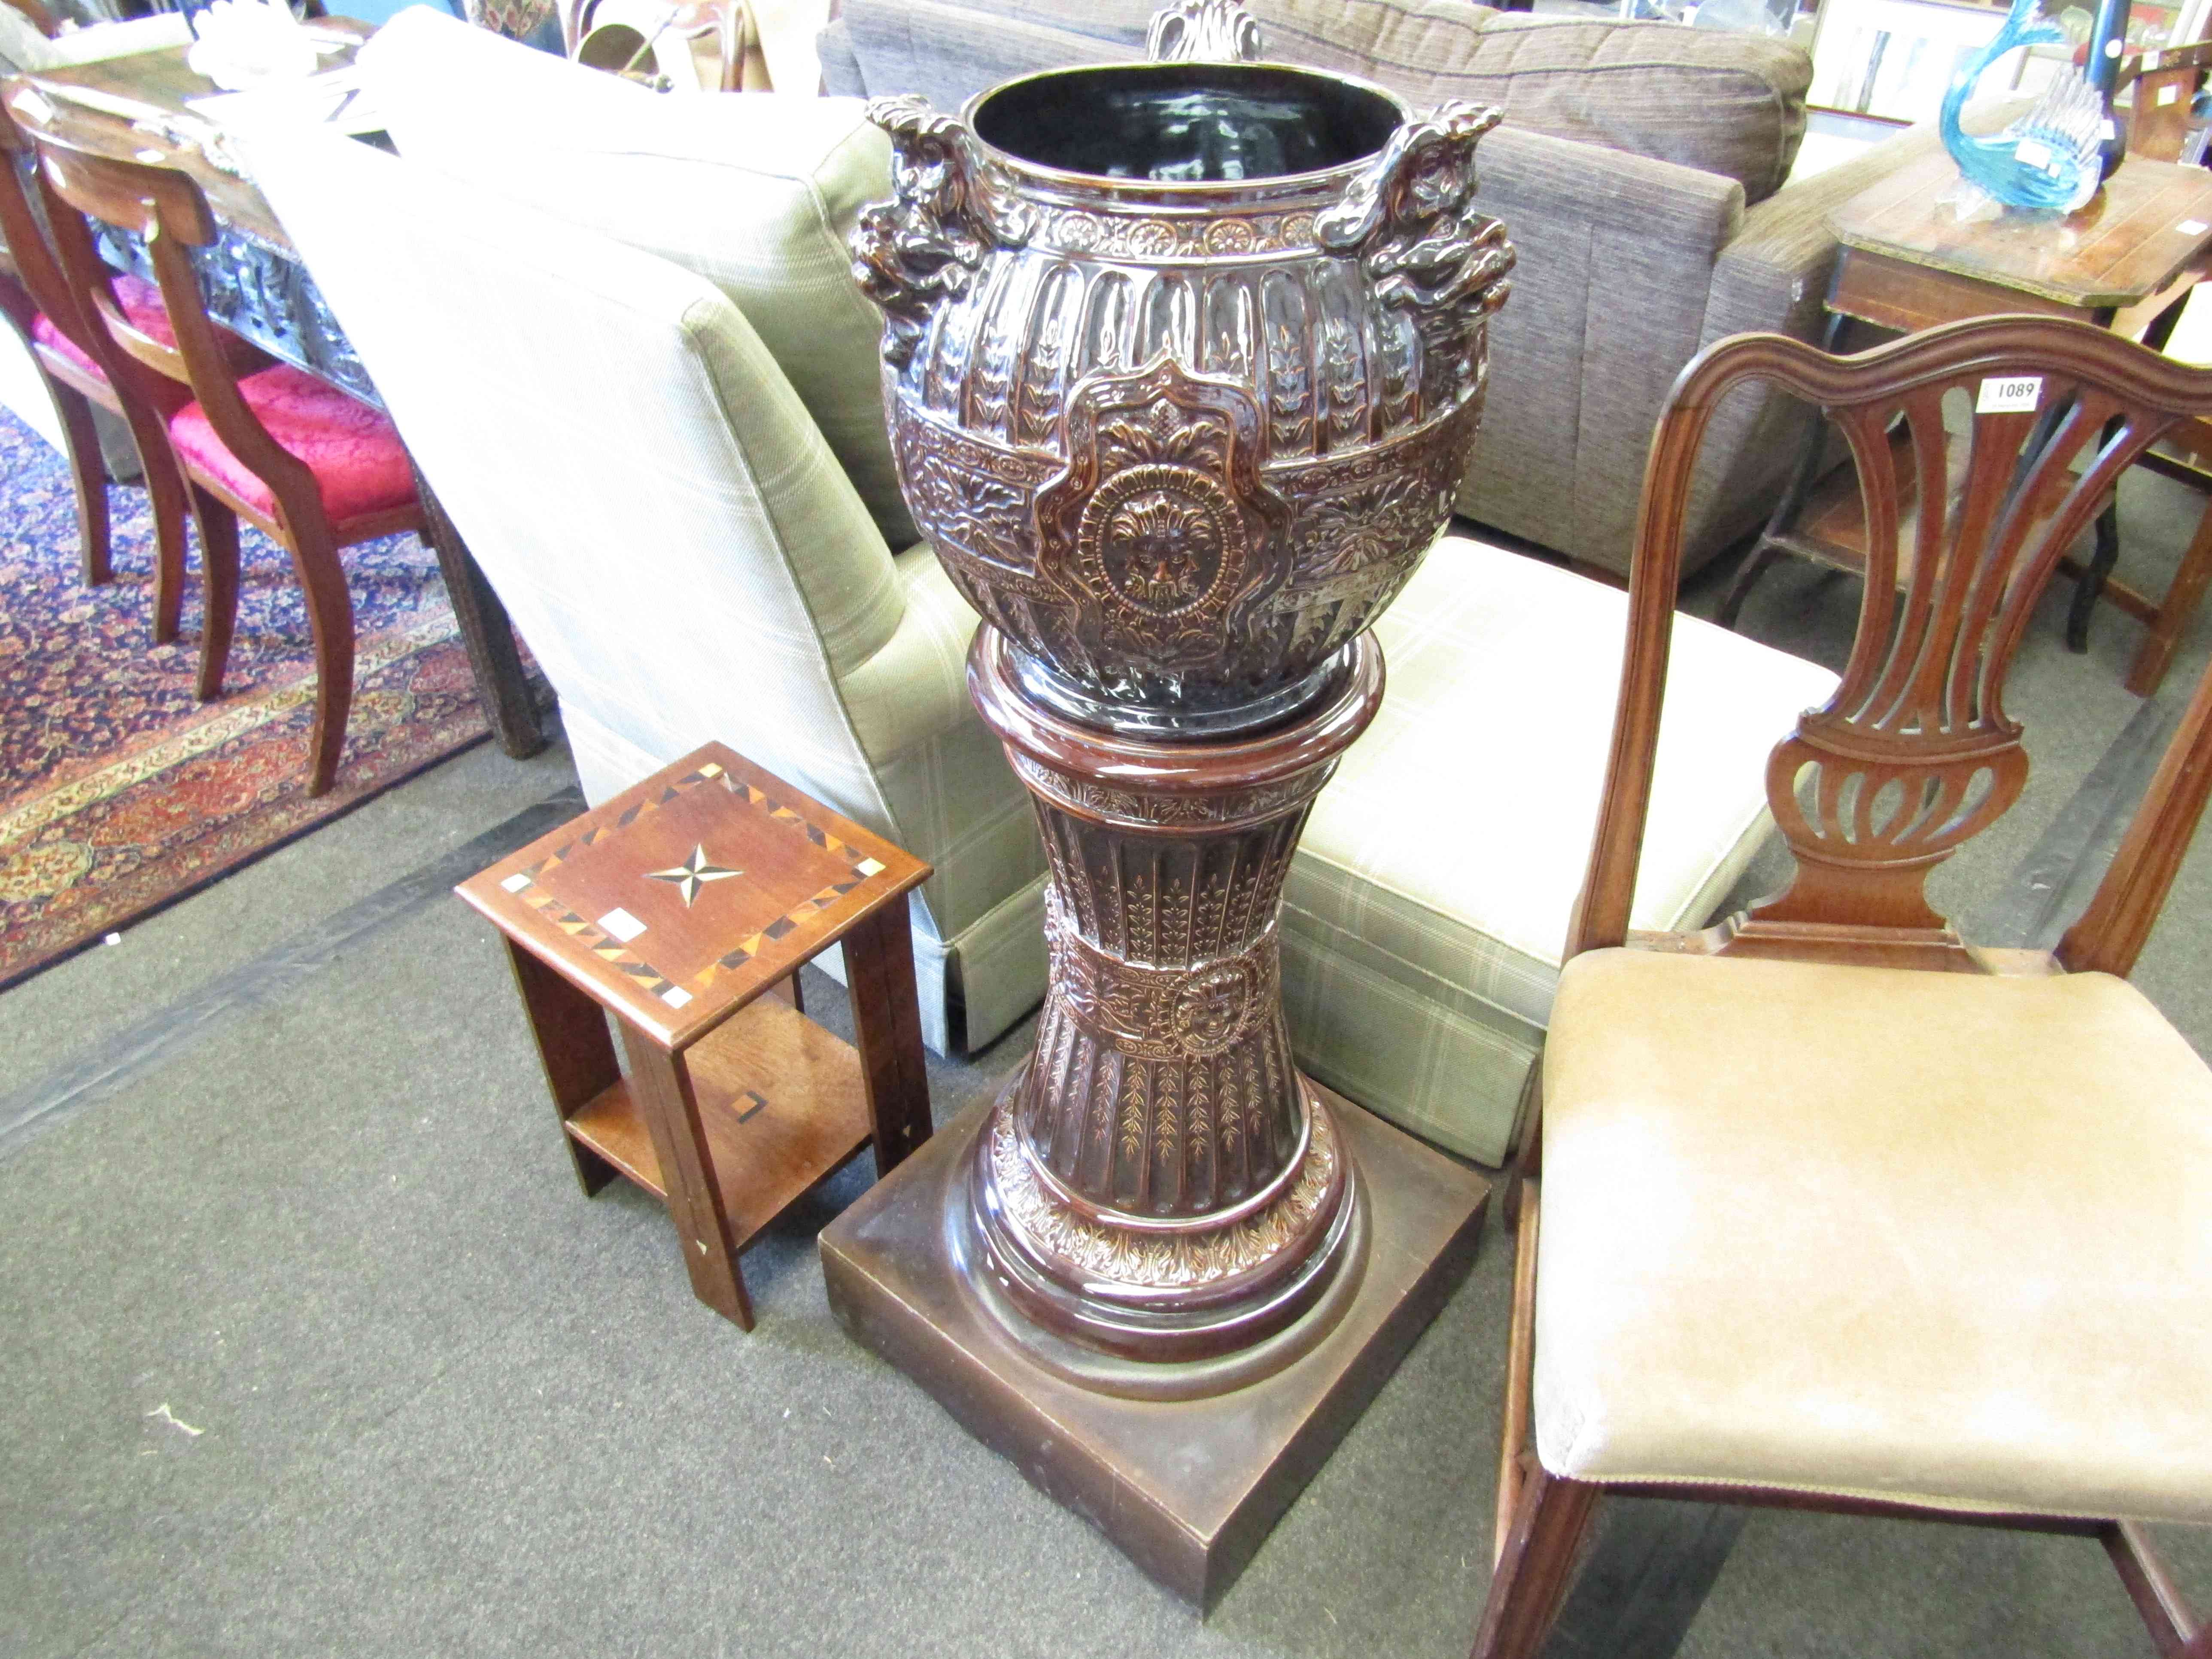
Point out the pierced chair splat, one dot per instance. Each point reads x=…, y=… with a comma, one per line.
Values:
x=310, y=466
x=1752, y=1140
x=73, y=360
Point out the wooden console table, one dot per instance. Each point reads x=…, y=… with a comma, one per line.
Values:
x=2125, y=262
x=257, y=287
x=674, y=907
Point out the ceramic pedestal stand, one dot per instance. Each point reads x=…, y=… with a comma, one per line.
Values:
x=1162, y=1272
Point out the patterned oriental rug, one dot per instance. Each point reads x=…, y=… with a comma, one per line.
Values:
x=119, y=793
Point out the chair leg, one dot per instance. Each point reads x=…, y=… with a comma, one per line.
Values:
x=1534, y=1575
x=2166, y=1615
x=170, y=500
x=219, y=587
x=89, y=473
x=330, y=612
x=165, y=490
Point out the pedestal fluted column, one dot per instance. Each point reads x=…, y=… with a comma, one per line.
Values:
x=1160, y=1183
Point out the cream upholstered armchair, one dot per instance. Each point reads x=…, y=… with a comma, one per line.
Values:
x=672, y=533
x=1427, y=908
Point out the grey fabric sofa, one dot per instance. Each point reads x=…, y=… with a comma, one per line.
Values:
x=1640, y=171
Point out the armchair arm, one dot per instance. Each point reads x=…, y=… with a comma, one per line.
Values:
x=1772, y=277
x=914, y=687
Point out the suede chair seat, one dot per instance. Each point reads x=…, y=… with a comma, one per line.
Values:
x=141, y=304
x=1426, y=912
x=360, y=465
x=1843, y=1261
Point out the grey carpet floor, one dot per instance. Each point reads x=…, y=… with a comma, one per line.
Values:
x=312, y=1345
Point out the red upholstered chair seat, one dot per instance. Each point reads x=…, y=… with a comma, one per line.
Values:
x=141, y=305
x=353, y=450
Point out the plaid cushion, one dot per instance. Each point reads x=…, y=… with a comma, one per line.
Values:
x=1426, y=911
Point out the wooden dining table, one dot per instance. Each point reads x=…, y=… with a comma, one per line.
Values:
x=138, y=108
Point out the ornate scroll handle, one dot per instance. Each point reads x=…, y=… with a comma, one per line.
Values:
x=1203, y=31
x=912, y=253
x=1410, y=220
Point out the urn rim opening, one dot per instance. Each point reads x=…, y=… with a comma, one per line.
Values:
x=1187, y=126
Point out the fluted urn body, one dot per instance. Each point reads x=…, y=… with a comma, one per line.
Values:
x=1184, y=365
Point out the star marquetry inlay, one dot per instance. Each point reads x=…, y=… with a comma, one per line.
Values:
x=688, y=878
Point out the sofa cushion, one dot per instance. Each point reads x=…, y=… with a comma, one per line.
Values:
x=1426, y=910
x=1442, y=25
x=1718, y=102
x=757, y=194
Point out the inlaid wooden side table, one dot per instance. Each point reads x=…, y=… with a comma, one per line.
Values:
x=674, y=907
x=1905, y=262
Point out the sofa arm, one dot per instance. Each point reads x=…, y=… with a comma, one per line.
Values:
x=1609, y=302
x=1774, y=274
x=1773, y=277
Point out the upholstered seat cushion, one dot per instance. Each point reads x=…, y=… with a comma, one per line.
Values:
x=353, y=451
x=1934, y=1237
x=142, y=307
x=1427, y=909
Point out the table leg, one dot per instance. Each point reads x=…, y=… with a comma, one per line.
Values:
x=2091, y=581
x=1784, y=518
x=2086, y=590
x=887, y=1021
x=576, y=1050
x=660, y=1084
x=2175, y=611
x=486, y=633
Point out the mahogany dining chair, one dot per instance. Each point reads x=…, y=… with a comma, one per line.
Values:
x=74, y=360
x=313, y=468
x=1825, y=1208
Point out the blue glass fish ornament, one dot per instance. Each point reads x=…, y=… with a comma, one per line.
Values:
x=2047, y=158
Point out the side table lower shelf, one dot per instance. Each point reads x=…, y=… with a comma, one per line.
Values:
x=783, y=1104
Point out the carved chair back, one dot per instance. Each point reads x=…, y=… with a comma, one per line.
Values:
x=165, y=208
x=1915, y=754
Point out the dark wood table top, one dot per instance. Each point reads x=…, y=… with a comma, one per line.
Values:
x=684, y=897
x=2149, y=224
x=164, y=84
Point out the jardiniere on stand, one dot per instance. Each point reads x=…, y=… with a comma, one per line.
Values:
x=1183, y=364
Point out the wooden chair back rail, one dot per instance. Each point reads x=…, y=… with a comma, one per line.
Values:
x=1913, y=755
x=29, y=251
x=15, y=301
x=40, y=18
x=153, y=371
x=166, y=207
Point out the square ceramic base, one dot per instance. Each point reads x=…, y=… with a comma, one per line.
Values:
x=1187, y=1489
